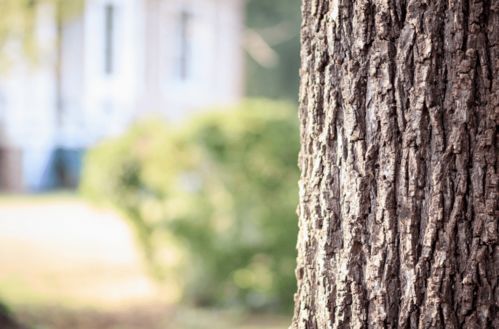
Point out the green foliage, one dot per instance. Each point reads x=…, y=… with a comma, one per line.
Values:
x=213, y=201
x=278, y=23
x=19, y=19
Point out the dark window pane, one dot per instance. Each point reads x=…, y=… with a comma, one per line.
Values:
x=109, y=39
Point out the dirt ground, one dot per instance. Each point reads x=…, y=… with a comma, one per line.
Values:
x=69, y=265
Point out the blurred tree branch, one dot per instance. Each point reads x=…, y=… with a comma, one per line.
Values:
x=259, y=49
x=272, y=45
x=259, y=43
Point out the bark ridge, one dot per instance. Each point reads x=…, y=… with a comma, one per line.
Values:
x=398, y=204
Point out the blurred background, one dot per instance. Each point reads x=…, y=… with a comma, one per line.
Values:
x=148, y=154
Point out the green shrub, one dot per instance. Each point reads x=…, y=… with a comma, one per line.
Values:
x=213, y=201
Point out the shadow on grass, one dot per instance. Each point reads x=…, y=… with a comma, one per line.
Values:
x=7, y=320
x=144, y=317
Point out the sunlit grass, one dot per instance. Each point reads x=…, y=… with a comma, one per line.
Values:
x=15, y=291
x=70, y=276
x=150, y=316
x=58, y=196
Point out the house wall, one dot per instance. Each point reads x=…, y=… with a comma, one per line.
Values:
x=46, y=115
x=110, y=98
x=28, y=118
x=72, y=121
x=214, y=59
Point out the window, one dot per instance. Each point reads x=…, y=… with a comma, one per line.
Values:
x=2, y=106
x=109, y=21
x=184, y=47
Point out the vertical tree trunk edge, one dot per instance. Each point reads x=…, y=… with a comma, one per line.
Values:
x=398, y=207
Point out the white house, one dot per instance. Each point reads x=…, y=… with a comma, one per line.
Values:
x=117, y=60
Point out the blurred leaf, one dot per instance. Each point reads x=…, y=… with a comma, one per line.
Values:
x=19, y=23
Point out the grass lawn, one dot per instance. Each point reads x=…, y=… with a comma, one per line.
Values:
x=152, y=316
x=69, y=265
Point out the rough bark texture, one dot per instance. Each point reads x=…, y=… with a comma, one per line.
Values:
x=398, y=195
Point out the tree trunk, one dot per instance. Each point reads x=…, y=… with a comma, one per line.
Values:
x=398, y=194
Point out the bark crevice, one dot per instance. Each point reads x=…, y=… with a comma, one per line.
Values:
x=398, y=194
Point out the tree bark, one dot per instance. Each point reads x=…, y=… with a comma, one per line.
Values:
x=398, y=194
